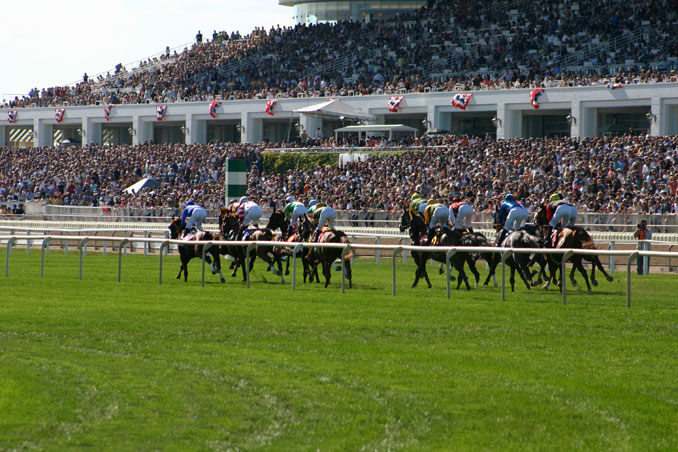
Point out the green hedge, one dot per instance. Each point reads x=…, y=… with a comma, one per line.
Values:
x=279, y=163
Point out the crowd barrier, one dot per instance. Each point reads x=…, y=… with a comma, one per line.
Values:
x=395, y=250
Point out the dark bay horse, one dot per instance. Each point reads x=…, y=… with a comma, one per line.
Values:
x=189, y=251
x=229, y=228
x=574, y=237
x=528, y=236
x=326, y=256
x=446, y=237
x=277, y=221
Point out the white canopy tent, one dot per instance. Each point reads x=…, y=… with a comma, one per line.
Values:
x=335, y=109
x=146, y=182
x=390, y=128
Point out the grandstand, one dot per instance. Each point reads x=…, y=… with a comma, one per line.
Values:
x=531, y=75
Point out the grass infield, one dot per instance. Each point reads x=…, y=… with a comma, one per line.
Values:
x=101, y=365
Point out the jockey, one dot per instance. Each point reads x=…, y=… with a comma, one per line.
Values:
x=463, y=212
x=294, y=211
x=192, y=216
x=321, y=215
x=559, y=211
x=511, y=215
x=248, y=212
x=417, y=204
x=435, y=214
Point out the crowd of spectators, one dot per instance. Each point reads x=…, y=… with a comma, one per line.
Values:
x=624, y=175
x=445, y=46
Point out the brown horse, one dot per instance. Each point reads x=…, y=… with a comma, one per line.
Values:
x=326, y=256
x=229, y=228
x=189, y=251
x=277, y=221
x=573, y=237
x=445, y=237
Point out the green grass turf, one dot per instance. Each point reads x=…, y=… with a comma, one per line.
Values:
x=101, y=365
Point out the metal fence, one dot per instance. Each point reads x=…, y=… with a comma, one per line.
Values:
x=395, y=250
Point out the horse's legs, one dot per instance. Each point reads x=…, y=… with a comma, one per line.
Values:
x=492, y=263
x=596, y=263
x=472, y=266
x=348, y=274
x=522, y=261
x=327, y=272
x=582, y=270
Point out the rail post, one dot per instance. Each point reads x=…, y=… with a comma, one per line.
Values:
x=146, y=235
x=611, y=247
x=400, y=242
x=164, y=245
x=563, y=277
x=295, y=250
x=344, y=251
x=28, y=242
x=647, y=246
x=393, y=263
x=122, y=245
x=205, y=247
x=504, y=256
x=125, y=235
x=248, y=259
x=377, y=241
x=82, y=247
x=670, y=266
x=45, y=244
x=105, y=243
x=448, y=257
x=10, y=243
x=633, y=256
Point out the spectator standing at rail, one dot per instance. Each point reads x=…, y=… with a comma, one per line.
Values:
x=643, y=233
x=198, y=38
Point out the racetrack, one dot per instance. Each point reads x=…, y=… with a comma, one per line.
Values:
x=99, y=364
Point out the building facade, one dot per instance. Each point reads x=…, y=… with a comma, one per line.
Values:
x=576, y=111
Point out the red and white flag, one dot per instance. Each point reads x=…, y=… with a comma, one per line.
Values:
x=461, y=100
x=393, y=103
x=534, y=96
x=107, y=111
x=59, y=115
x=213, y=108
x=269, y=106
x=160, y=112
x=615, y=85
x=11, y=116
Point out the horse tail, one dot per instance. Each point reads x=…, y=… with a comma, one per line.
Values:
x=344, y=239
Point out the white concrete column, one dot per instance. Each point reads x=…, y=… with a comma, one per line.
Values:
x=3, y=135
x=43, y=134
x=577, y=120
x=657, y=120
x=501, y=122
x=91, y=131
x=143, y=130
x=189, y=129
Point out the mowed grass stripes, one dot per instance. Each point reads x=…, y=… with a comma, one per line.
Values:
x=101, y=365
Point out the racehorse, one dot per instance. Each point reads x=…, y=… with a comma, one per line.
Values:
x=277, y=221
x=326, y=256
x=189, y=251
x=229, y=228
x=574, y=237
x=528, y=236
x=445, y=237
